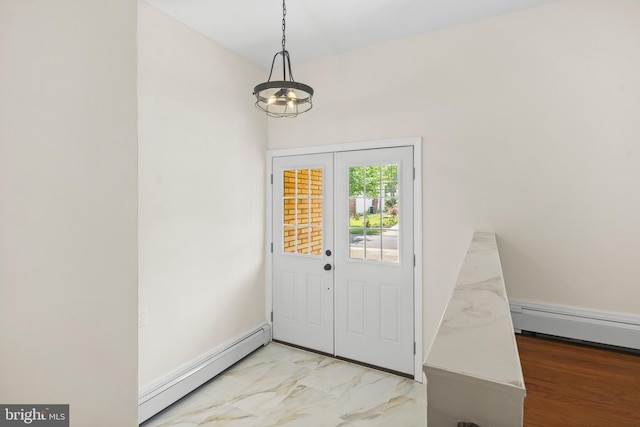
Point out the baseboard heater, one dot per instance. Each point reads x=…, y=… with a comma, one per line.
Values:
x=174, y=386
x=566, y=322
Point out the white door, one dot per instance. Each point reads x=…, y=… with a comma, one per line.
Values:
x=302, y=249
x=368, y=315
x=374, y=262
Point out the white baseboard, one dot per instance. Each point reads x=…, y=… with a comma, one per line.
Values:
x=594, y=326
x=172, y=387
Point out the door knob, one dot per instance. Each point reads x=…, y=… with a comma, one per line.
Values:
x=327, y=267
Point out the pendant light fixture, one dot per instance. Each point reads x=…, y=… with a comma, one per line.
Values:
x=286, y=97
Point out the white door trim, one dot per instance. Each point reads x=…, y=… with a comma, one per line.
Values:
x=416, y=143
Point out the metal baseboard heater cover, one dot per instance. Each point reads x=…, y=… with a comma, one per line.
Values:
x=567, y=322
x=177, y=384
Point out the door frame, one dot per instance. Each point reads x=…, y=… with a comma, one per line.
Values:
x=416, y=143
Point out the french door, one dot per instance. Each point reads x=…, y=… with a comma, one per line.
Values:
x=302, y=251
x=343, y=263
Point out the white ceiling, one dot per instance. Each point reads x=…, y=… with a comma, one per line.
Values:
x=320, y=28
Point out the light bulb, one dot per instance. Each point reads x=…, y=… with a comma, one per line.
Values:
x=292, y=95
x=271, y=99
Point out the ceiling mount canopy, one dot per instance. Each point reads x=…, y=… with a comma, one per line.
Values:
x=286, y=97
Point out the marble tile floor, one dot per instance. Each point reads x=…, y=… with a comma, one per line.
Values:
x=279, y=385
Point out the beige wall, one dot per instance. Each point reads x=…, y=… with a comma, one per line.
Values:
x=68, y=189
x=530, y=129
x=201, y=203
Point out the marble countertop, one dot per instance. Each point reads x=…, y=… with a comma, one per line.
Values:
x=476, y=337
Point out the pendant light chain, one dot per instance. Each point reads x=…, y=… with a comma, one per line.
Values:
x=284, y=24
x=284, y=40
x=286, y=97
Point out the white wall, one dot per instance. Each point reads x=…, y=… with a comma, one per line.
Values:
x=530, y=127
x=68, y=189
x=201, y=202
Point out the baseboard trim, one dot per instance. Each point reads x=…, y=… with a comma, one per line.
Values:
x=177, y=384
x=567, y=322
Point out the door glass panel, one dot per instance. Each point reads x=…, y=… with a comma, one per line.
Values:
x=302, y=211
x=289, y=183
x=302, y=242
x=316, y=182
x=289, y=234
x=316, y=241
x=315, y=212
x=303, y=182
x=373, y=212
x=356, y=227
x=289, y=211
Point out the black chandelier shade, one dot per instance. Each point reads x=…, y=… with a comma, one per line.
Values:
x=283, y=98
x=286, y=97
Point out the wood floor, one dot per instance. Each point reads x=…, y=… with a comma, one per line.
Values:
x=577, y=385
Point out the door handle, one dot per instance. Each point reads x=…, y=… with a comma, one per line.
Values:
x=327, y=267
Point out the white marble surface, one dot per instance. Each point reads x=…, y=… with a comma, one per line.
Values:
x=473, y=369
x=476, y=337
x=282, y=386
